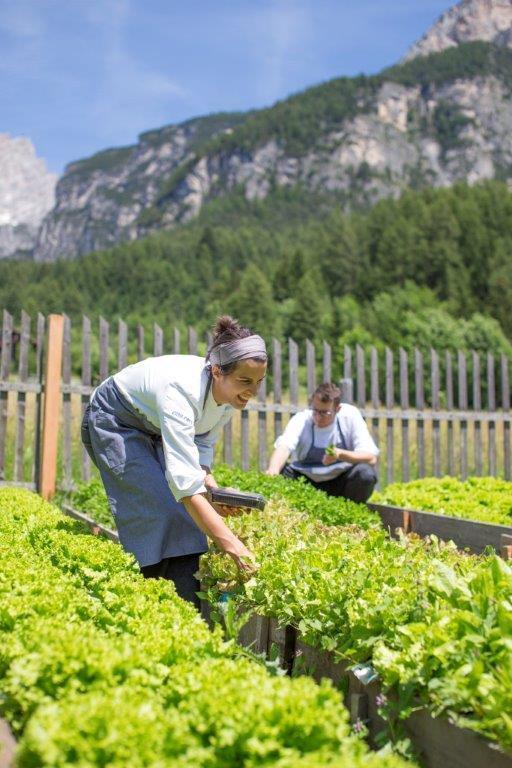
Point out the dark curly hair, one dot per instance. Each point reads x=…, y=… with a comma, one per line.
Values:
x=226, y=329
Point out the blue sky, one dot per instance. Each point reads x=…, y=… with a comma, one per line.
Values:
x=78, y=76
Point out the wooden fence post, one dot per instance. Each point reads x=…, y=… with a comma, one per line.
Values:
x=310, y=367
x=347, y=391
x=420, y=405
x=122, y=342
x=5, y=367
x=450, y=406
x=19, y=453
x=436, y=402
x=463, y=405
x=505, y=403
x=374, y=390
x=277, y=374
x=390, y=402
x=327, y=362
x=404, y=404
x=86, y=382
x=48, y=476
x=477, y=406
x=36, y=468
x=491, y=405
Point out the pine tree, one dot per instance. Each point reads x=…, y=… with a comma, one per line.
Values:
x=253, y=304
x=306, y=316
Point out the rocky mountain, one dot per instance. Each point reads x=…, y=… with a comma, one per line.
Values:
x=27, y=194
x=470, y=20
x=443, y=115
x=100, y=199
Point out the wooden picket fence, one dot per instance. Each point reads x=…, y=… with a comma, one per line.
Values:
x=448, y=413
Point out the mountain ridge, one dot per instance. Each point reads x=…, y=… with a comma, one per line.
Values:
x=435, y=118
x=468, y=21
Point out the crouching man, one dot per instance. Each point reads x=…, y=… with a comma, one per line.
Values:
x=329, y=444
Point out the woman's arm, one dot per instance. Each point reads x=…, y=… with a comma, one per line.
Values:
x=211, y=523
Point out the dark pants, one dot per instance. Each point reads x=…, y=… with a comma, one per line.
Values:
x=179, y=570
x=356, y=484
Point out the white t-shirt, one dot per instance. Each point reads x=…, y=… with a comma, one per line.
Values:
x=298, y=433
x=169, y=391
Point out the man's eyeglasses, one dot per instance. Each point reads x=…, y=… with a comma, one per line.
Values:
x=319, y=412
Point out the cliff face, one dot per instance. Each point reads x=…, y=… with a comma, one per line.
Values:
x=99, y=199
x=432, y=120
x=470, y=20
x=27, y=193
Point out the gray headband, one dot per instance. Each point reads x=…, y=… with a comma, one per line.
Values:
x=239, y=349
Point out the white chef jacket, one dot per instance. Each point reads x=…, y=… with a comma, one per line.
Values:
x=297, y=434
x=172, y=393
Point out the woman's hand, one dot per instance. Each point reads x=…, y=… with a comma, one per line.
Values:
x=224, y=510
x=209, y=479
x=208, y=520
x=243, y=557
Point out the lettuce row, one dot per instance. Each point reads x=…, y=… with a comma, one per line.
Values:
x=435, y=623
x=299, y=495
x=99, y=667
x=488, y=499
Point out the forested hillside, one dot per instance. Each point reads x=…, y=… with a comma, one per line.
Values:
x=431, y=268
x=430, y=122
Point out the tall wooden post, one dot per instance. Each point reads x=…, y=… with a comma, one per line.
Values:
x=51, y=413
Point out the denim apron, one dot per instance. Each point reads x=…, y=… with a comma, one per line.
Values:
x=311, y=465
x=127, y=449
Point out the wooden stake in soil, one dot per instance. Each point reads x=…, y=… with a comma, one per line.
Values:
x=51, y=413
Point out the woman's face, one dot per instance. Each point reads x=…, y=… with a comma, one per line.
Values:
x=237, y=388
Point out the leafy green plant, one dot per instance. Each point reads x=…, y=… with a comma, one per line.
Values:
x=300, y=496
x=488, y=499
x=101, y=667
x=434, y=622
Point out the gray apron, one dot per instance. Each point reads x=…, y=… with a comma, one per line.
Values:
x=127, y=449
x=312, y=466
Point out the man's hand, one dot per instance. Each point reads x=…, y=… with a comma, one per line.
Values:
x=332, y=457
x=278, y=459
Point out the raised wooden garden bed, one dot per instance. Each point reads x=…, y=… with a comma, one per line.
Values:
x=440, y=743
x=94, y=527
x=466, y=534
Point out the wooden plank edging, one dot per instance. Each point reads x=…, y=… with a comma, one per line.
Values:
x=466, y=534
x=440, y=742
x=95, y=527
